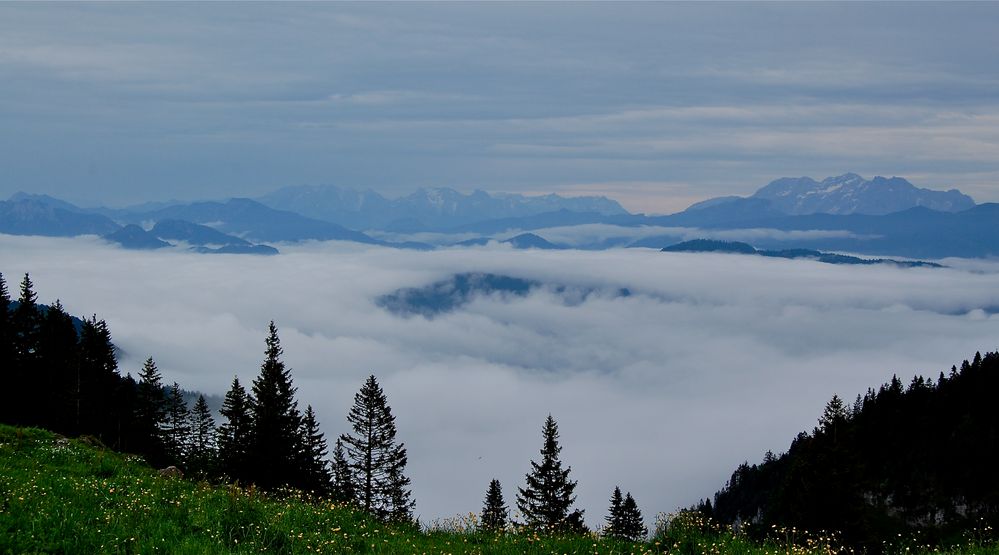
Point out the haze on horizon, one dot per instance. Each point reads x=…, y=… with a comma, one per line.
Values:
x=656, y=105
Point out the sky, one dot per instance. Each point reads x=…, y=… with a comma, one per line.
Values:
x=711, y=361
x=656, y=105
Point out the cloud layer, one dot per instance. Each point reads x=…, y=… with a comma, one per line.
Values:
x=711, y=361
x=660, y=104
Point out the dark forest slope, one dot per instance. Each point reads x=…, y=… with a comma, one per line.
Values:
x=902, y=458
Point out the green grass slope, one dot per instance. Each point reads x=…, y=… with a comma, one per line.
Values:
x=59, y=495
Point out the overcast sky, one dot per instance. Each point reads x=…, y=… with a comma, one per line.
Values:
x=655, y=104
x=711, y=361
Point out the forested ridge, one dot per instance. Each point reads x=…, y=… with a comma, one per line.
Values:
x=898, y=459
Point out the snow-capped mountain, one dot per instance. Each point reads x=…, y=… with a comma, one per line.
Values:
x=852, y=194
x=436, y=208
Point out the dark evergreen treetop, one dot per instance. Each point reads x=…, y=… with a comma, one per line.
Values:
x=235, y=434
x=177, y=426
x=376, y=461
x=201, y=442
x=275, y=445
x=150, y=411
x=631, y=526
x=316, y=469
x=27, y=321
x=494, y=511
x=545, y=501
x=343, y=490
x=9, y=373
x=6, y=331
x=96, y=381
x=613, y=518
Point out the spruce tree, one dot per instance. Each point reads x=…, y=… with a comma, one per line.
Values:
x=8, y=387
x=27, y=322
x=833, y=417
x=96, y=381
x=177, y=427
x=494, y=511
x=57, y=359
x=275, y=444
x=546, y=499
x=150, y=412
x=343, y=481
x=613, y=518
x=315, y=466
x=631, y=526
x=235, y=434
x=201, y=440
x=376, y=461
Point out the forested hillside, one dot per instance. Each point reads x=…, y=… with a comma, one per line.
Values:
x=900, y=459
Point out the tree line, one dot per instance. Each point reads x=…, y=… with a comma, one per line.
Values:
x=62, y=374
x=899, y=459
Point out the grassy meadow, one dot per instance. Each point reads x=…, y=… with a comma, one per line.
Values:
x=61, y=495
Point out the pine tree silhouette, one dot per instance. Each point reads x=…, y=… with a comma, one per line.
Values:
x=315, y=466
x=275, y=445
x=377, y=463
x=343, y=490
x=58, y=351
x=177, y=427
x=494, y=512
x=613, y=518
x=96, y=380
x=201, y=443
x=27, y=322
x=631, y=526
x=546, y=499
x=150, y=412
x=235, y=434
x=8, y=370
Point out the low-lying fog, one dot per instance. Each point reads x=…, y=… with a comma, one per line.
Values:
x=710, y=361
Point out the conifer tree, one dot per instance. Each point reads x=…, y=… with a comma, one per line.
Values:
x=343, y=481
x=833, y=417
x=57, y=359
x=631, y=526
x=276, y=442
x=8, y=388
x=546, y=499
x=177, y=427
x=494, y=511
x=201, y=442
x=150, y=412
x=613, y=518
x=235, y=434
x=377, y=461
x=96, y=381
x=27, y=322
x=315, y=466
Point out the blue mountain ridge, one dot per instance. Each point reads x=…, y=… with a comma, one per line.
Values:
x=737, y=247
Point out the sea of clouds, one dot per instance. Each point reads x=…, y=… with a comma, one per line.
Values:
x=711, y=361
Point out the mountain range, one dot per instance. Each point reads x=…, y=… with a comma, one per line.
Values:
x=881, y=216
x=848, y=194
x=426, y=209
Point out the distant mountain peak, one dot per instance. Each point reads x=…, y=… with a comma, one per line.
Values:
x=850, y=193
